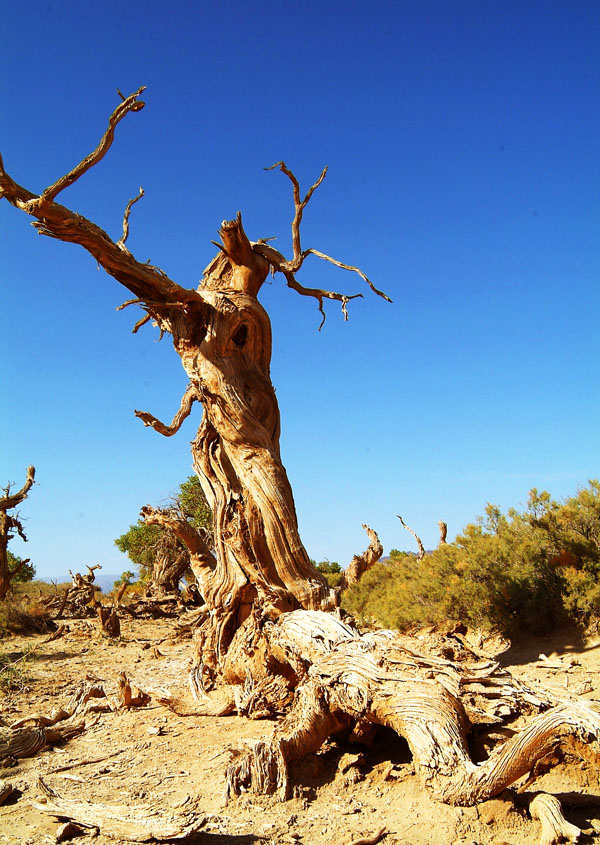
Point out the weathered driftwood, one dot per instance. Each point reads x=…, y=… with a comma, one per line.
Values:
x=19, y=740
x=129, y=697
x=82, y=702
x=431, y=691
x=26, y=742
x=370, y=840
x=555, y=828
x=139, y=824
x=80, y=601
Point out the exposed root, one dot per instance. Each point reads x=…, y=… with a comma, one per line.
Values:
x=428, y=691
x=555, y=828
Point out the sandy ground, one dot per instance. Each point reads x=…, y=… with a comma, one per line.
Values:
x=152, y=757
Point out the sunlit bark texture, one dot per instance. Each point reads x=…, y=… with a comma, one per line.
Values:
x=9, y=526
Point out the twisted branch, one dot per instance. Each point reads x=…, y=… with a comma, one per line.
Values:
x=362, y=563
x=131, y=103
x=129, y=206
x=299, y=207
x=185, y=408
x=143, y=280
x=173, y=520
x=280, y=264
x=9, y=502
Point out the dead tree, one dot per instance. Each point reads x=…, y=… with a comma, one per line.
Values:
x=83, y=595
x=265, y=630
x=223, y=337
x=9, y=526
x=171, y=555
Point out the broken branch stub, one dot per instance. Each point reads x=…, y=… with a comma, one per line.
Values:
x=362, y=563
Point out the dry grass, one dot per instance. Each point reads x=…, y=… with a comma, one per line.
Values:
x=21, y=612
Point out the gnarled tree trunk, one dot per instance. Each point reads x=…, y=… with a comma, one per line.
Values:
x=264, y=628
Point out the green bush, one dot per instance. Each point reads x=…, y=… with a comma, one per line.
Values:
x=514, y=572
x=18, y=571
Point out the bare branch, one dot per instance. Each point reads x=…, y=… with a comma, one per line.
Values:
x=57, y=221
x=299, y=208
x=421, y=554
x=187, y=400
x=172, y=520
x=13, y=523
x=130, y=104
x=279, y=263
x=319, y=295
x=130, y=204
x=91, y=569
x=9, y=502
x=346, y=267
x=141, y=322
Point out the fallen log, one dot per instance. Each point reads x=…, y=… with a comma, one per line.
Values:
x=139, y=824
x=26, y=742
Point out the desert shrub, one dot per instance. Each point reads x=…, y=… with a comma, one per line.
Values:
x=21, y=613
x=331, y=569
x=14, y=674
x=508, y=572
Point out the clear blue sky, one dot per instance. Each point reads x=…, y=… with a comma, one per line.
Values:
x=462, y=140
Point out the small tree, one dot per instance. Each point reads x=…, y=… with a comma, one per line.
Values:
x=9, y=526
x=329, y=567
x=162, y=557
x=20, y=570
x=126, y=578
